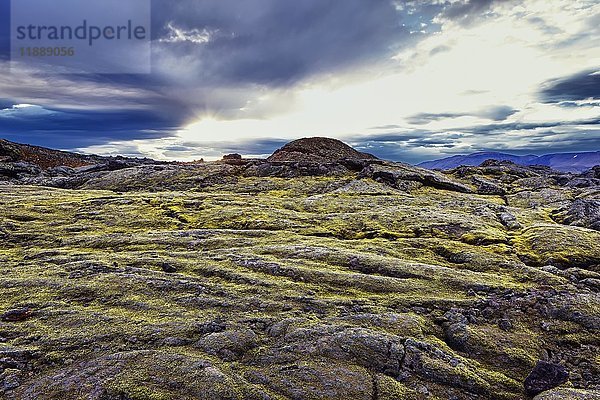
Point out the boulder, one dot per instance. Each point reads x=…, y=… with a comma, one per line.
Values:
x=401, y=176
x=545, y=376
x=228, y=345
x=582, y=212
x=17, y=315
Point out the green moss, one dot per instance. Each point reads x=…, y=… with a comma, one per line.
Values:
x=252, y=252
x=559, y=245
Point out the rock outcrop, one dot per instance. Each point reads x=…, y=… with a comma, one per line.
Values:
x=319, y=150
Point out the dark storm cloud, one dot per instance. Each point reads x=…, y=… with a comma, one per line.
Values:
x=6, y=103
x=4, y=30
x=75, y=128
x=223, y=54
x=274, y=42
x=581, y=86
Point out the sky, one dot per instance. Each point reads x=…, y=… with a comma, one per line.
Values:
x=404, y=80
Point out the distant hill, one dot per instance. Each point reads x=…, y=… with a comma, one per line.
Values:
x=43, y=157
x=317, y=149
x=565, y=162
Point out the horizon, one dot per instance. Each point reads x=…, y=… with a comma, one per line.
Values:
x=264, y=156
x=405, y=81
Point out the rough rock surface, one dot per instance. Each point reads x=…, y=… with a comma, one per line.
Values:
x=348, y=279
x=582, y=212
x=320, y=150
x=545, y=376
x=570, y=394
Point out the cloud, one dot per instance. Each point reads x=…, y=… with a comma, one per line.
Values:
x=535, y=137
x=495, y=113
x=277, y=43
x=61, y=129
x=467, y=11
x=499, y=113
x=247, y=76
x=4, y=31
x=196, y=36
x=222, y=58
x=581, y=86
x=526, y=126
x=425, y=118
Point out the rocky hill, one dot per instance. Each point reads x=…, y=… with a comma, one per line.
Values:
x=33, y=164
x=321, y=150
x=43, y=157
x=342, y=278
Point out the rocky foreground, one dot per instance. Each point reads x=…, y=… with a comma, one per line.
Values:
x=317, y=274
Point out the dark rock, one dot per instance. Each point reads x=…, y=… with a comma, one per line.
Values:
x=42, y=157
x=455, y=330
x=60, y=171
x=593, y=173
x=398, y=174
x=380, y=352
x=509, y=221
x=505, y=324
x=581, y=182
x=485, y=186
x=214, y=326
x=175, y=341
x=168, y=268
x=9, y=380
x=17, y=315
x=294, y=169
x=545, y=376
x=372, y=349
x=592, y=282
x=18, y=169
x=582, y=212
x=234, y=159
x=229, y=345
x=16, y=359
x=110, y=165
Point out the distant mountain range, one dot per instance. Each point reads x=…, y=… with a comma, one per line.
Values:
x=565, y=162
